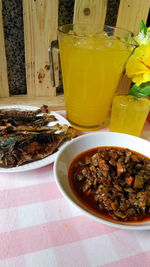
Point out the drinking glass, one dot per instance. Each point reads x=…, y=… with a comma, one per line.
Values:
x=128, y=114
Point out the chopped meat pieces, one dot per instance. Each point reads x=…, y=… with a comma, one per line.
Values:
x=113, y=181
x=120, y=168
x=129, y=180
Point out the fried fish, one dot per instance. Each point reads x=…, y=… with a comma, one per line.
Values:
x=16, y=150
x=26, y=137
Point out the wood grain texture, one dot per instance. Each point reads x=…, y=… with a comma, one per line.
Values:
x=40, y=28
x=90, y=11
x=56, y=102
x=4, y=90
x=131, y=12
x=124, y=85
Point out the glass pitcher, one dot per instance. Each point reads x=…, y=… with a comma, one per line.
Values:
x=92, y=61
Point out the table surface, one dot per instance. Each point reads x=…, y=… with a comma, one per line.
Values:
x=39, y=228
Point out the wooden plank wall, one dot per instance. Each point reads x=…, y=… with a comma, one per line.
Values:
x=90, y=11
x=40, y=27
x=4, y=90
x=131, y=12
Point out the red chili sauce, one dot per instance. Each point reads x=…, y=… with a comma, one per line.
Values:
x=112, y=182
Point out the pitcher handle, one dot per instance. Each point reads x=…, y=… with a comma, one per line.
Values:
x=53, y=45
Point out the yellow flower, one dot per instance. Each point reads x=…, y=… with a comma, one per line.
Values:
x=138, y=65
x=141, y=38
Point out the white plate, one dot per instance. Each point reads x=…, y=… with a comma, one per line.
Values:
x=39, y=163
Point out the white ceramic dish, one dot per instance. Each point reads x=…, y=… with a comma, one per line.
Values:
x=85, y=142
x=39, y=163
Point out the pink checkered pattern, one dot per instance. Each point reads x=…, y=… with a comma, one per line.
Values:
x=39, y=228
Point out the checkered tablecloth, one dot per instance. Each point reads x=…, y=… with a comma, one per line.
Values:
x=39, y=228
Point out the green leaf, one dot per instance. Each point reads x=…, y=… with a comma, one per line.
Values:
x=143, y=27
x=140, y=91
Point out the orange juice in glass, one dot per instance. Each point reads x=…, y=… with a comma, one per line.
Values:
x=129, y=114
x=92, y=61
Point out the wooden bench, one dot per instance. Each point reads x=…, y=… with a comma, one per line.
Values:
x=40, y=19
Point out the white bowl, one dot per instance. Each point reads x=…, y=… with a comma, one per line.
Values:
x=88, y=141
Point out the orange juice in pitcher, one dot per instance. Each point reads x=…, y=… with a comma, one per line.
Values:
x=92, y=63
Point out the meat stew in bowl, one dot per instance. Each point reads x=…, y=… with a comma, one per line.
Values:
x=113, y=182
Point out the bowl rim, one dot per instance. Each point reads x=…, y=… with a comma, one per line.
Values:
x=116, y=224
